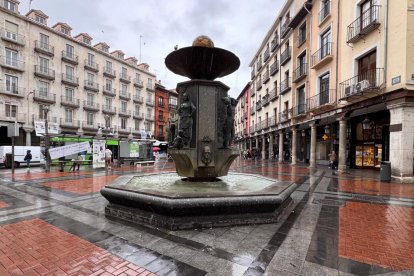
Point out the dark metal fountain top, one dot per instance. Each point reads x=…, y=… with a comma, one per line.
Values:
x=202, y=60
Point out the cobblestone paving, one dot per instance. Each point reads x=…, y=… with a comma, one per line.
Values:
x=54, y=224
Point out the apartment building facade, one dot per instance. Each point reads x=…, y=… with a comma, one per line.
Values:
x=82, y=87
x=350, y=79
x=242, y=118
x=166, y=105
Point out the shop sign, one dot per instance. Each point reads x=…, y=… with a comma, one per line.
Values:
x=325, y=137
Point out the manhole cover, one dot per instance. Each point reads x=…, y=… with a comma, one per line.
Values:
x=329, y=202
x=368, y=198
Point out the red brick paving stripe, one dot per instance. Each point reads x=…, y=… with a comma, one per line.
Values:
x=372, y=187
x=42, y=175
x=3, y=204
x=377, y=234
x=35, y=247
x=82, y=186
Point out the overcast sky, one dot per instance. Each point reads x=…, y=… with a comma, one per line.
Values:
x=238, y=26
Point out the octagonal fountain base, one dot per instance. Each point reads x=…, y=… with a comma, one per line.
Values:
x=170, y=201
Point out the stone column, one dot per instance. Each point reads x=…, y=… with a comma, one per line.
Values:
x=250, y=143
x=402, y=140
x=271, y=153
x=263, y=146
x=257, y=142
x=312, y=161
x=28, y=136
x=294, y=144
x=342, y=145
x=280, y=146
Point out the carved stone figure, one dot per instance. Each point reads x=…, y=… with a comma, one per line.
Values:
x=185, y=112
x=228, y=127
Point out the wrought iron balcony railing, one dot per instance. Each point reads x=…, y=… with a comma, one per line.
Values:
x=322, y=56
x=368, y=21
x=364, y=82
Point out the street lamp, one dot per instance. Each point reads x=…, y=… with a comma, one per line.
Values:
x=326, y=129
x=47, y=164
x=366, y=123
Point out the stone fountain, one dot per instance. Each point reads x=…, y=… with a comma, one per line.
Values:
x=202, y=193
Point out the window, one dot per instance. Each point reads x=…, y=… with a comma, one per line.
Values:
x=108, y=103
x=91, y=79
x=11, y=6
x=123, y=123
x=137, y=91
x=90, y=99
x=301, y=99
x=69, y=93
x=64, y=31
x=43, y=89
x=149, y=85
x=150, y=96
x=68, y=115
x=69, y=51
x=325, y=9
x=302, y=34
x=124, y=72
x=12, y=30
x=367, y=68
x=149, y=112
x=137, y=76
x=11, y=84
x=108, y=66
x=136, y=108
x=44, y=65
x=44, y=41
x=324, y=89
x=161, y=131
x=161, y=115
x=302, y=64
x=124, y=88
x=89, y=118
x=108, y=85
x=124, y=106
x=325, y=43
x=91, y=59
x=368, y=13
x=40, y=20
x=11, y=57
x=161, y=101
x=11, y=110
x=86, y=41
x=148, y=126
x=173, y=101
x=136, y=125
x=70, y=73
x=108, y=122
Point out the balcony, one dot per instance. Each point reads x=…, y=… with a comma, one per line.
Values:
x=91, y=65
x=273, y=95
x=265, y=100
x=272, y=121
x=108, y=72
x=284, y=86
x=258, y=105
x=50, y=119
x=12, y=90
x=299, y=110
x=44, y=48
x=259, y=65
x=125, y=95
x=253, y=92
x=285, y=56
x=150, y=87
x=322, y=57
x=90, y=106
x=252, y=111
x=252, y=129
x=107, y=109
x=252, y=74
x=125, y=130
x=284, y=29
x=124, y=113
x=301, y=37
x=161, y=119
x=259, y=84
x=266, y=54
x=172, y=106
x=266, y=77
x=44, y=72
x=12, y=116
x=149, y=103
x=138, y=115
x=70, y=57
x=274, y=68
x=123, y=77
x=300, y=72
x=362, y=85
x=44, y=97
x=284, y=116
x=274, y=43
x=90, y=126
x=324, y=12
x=363, y=25
x=138, y=99
x=91, y=86
x=69, y=101
x=70, y=80
x=138, y=83
x=108, y=91
x=322, y=102
x=149, y=117
x=73, y=124
x=12, y=37
x=12, y=63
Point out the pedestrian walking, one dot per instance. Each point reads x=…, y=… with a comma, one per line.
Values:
x=332, y=160
x=108, y=157
x=28, y=158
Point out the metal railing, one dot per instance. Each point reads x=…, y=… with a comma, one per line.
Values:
x=258, y=105
x=138, y=82
x=124, y=112
x=259, y=64
x=108, y=90
x=138, y=99
x=70, y=79
x=69, y=123
x=284, y=115
x=285, y=55
x=323, y=98
x=149, y=117
x=12, y=116
x=284, y=85
x=325, y=10
x=108, y=109
x=138, y=115
x=65, y=100
x=44, y=96
x=298, y=110
x=124, y=95
x=90, y=125
x=266, y=54
x=90, y=85
x=91, y=65
x=150, y=87
x=274, y=67
x=284, y=29
x=90, y=105
x=12, y=63
x=108, y=71
x=45, y=72
x=124, y=77
x=364, y=24
x=44, y=48
x=300, y=72
x=50, y=119
x=363, y=82
x=12, y=90
x=150, y=102
x=259, y=84
x=13, y=37
x=266, y=76
x=324, y=51
x=274, y=43
x=69, y=57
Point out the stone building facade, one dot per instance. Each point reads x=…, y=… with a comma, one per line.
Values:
x=337, y=76
x=84, y=86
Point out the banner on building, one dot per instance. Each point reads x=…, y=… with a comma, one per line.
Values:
x=98, y=154
x=69, y=150
x=53, y=128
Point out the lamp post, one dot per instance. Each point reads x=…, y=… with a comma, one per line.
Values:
x=47, y=163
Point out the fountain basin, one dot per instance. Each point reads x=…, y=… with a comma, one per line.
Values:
x=170, y=201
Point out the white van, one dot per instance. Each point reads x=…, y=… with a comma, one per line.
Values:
x=19, y=154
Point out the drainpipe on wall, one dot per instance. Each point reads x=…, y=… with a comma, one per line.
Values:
x=337, y=51
x=386, y=42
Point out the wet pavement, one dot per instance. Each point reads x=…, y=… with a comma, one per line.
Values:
x=54, y=224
